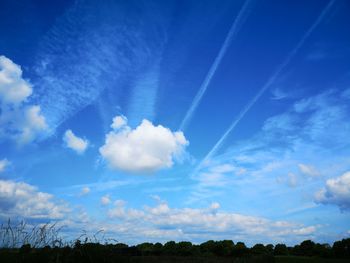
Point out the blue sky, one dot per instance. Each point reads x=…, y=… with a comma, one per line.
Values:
x=177, y=120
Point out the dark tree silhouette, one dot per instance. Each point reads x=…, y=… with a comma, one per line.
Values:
x=259, y=249
x=240, y=249
x=281, y=250
x=211, y=251
x=306, y=248
x=341, y=248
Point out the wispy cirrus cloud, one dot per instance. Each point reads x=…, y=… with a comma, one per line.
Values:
x=281, y=158
x=327, y=51
x=235, y=27
x=267, y=85
x=85, y=54
x=308, y=170
x=142, y=101
x=105, y=200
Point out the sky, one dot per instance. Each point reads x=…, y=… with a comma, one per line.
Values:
x=177, y=120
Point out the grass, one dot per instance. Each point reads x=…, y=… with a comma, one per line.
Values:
x=16, y=235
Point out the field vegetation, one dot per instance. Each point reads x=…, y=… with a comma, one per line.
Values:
x=43, y=244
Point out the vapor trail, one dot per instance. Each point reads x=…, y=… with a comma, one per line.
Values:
x=267, y=85
x=239, y=20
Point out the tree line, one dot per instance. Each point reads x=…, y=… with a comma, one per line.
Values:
x=22, y=243
x=84, y=251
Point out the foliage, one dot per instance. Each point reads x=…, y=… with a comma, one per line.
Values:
x=23, y=243
x=281, y=250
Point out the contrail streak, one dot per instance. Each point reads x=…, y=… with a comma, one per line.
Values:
x=233, y=30
x=270, y=81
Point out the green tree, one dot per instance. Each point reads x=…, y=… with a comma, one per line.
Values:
x=322, y=250
x=281, y=250
x=307, y=248
x=269, y=249
x=157, y=249
x=240, y=249
x=208, y=247
x=259, y=249
x=341, y=249
x=169, y=248
x=184, y=248
x=223, y=248
x=145, y=248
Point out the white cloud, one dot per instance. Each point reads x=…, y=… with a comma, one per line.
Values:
x=156, y=198
x=203, y=223
x=215, y=206
x=85, y=191
x=105, y=200
x=211, y=179
x=224, y=168
x=146, y=148
x=308, y=170
x=33, y=124
x=75, y=143
x=119, y=211
x=305, y=230
x=18, y=199
x=19, y=120
x=286, y=144
x=13, y=88
x=4, y=163
x=336, y=192
x=214, y=176
x=118, y=122
x=160, y=209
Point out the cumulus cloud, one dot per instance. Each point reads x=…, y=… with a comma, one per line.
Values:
x=308, y=170
x=214, y=206
x=147, y=148
x=118, y=122
x=305, y=230
x=105, y=200
x=3, y=165
x=34, y=123
x=18, y=199
x=336, y=192
x=13, y=88
x=204, y=223
x=18, y=119
x=74, y=142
